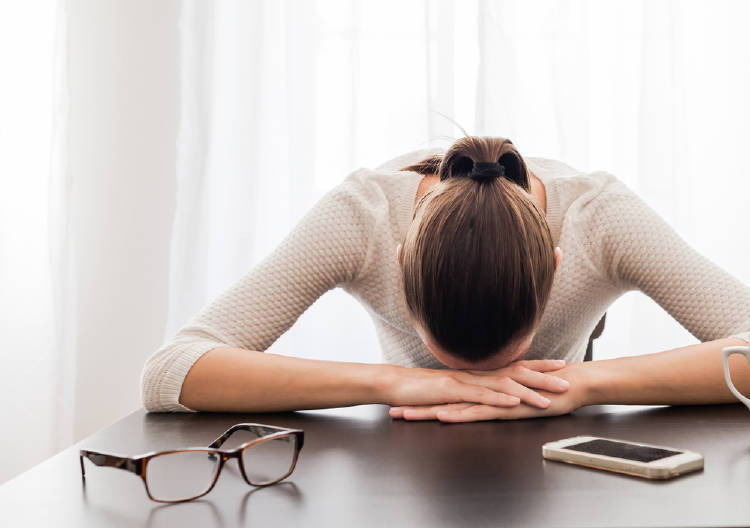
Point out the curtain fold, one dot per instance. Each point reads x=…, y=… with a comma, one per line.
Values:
x=61, y=259
x=32, y=39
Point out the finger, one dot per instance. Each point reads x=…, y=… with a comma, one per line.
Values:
x=525, y=394
x=396, y=412
x=473, y=413
x=430, y=412
x=469, y=393
x=541, y=365
x=538, y=380
x=420, y=413
x=508, y=386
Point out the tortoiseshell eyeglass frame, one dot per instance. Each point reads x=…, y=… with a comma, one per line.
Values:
x=139, y=464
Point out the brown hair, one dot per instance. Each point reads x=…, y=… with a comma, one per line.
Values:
x=477, y=261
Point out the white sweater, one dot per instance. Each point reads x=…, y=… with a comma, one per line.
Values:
x=611, y=241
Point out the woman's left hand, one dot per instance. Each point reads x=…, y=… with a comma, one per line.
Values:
x=561, y=403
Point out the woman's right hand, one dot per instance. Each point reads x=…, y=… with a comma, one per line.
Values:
x=504, y=387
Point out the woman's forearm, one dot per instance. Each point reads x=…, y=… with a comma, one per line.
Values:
x=234, y=379
x=689, y=375
x=684, y=376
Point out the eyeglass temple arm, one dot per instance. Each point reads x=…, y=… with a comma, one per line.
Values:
x=259, y=430
x=103, y=459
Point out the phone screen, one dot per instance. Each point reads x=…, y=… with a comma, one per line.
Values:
x=622, y=450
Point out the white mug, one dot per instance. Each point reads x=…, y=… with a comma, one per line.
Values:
x=725, y=353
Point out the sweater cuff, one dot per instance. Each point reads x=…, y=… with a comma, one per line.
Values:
x=165, y=371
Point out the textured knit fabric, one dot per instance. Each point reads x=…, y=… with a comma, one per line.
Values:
x=611, y=241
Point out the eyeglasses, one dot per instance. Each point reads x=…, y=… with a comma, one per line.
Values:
x=185, y=474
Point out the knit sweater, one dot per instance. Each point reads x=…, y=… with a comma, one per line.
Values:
x=611, y=241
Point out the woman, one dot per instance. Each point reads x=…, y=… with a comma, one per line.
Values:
x=494, y=266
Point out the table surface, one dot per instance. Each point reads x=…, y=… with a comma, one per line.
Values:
x=360, y=467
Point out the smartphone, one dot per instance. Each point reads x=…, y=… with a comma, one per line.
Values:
x=621, y=456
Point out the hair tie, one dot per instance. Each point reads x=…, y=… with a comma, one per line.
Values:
x=486, y=170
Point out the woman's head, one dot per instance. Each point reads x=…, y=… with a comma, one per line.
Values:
x=477, y=261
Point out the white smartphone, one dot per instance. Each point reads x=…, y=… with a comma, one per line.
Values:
x=621, y=456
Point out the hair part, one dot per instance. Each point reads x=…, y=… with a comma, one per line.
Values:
x=478, y=260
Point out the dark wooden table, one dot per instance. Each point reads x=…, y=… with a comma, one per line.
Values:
x=360, y=468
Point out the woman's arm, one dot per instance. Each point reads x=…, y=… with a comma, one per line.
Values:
x=689, y=375
x=233, y=379
x=641, y=251
x=684, y=376
x=324, y=250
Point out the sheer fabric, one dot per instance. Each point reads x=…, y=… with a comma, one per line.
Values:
x=151, y=153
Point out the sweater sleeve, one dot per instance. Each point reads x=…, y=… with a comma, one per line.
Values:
x=641, y=251
x=325, y=249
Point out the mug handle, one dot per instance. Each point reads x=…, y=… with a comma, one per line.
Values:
x=725, y=353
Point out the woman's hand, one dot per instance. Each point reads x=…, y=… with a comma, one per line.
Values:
x=561, y=402
x=508, y=387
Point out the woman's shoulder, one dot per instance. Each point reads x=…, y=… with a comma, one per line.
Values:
x=381, y=197
x=569, y=188
x=398, y=163
x=549, y=170
x=388, y=177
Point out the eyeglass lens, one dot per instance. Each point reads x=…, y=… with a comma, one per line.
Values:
x=270, y=460
x=181, y=475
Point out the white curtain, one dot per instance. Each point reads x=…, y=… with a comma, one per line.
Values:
x=30, y=154
x=152, y=152
x=88, y=124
